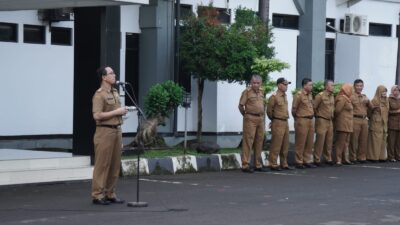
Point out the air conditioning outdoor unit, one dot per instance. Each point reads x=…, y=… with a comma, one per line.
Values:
x=356, y=24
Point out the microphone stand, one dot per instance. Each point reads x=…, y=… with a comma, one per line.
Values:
x=140, y=150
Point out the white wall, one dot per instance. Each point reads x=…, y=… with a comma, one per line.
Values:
x=378, y=58
x=370, y=58
x=37, y=82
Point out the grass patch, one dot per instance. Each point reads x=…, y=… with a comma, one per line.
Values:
x=177, y=152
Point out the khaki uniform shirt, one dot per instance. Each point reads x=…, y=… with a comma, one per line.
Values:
x=278, y=106
x=343, y=115
x=394, y=116
x=252, y=102
x=324, y=105
x=302, y=105
x=360, y=107
x=106, y=101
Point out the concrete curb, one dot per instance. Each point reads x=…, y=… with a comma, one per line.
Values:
x=186, y=164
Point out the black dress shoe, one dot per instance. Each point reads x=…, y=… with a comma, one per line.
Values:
x=300, y=166
x=310, y=165
x=354, y=162
x=276, y=169
x=115, y=200
x=348, y=163
x=288, y=168
x=247, y=170
x=101, y=201
x=262, y=169
x=382, y=160
x=330, y=163
x=362, y=161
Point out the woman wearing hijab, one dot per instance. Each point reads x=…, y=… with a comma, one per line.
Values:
x=393, y=139
x=343, y=121
x=378, y=119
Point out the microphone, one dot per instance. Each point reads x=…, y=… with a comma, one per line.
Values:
x=121, y=83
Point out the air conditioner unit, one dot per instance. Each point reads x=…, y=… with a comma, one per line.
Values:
x=56, y=15
x=356, y=24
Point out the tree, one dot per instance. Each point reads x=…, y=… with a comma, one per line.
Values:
x=214, y=52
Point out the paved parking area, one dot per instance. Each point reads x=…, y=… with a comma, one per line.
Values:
x=348, y=195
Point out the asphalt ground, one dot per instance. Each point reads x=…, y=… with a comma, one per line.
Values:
x=348, y=195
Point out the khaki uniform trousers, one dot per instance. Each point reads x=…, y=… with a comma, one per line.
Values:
x=393, y=144
x=342, y=144
x=376, y=145
x=304, y=139
x=253, y=138
x=358, y=140
x=107, y=144
x=324, y=140
x=279, y=143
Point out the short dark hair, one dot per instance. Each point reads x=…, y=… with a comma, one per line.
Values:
x=327, y=81
x=305, y=81
x=101, y=71
x=357, y=81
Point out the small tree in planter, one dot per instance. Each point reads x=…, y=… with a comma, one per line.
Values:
x=159, y=103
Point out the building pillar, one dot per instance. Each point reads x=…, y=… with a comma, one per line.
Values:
x=311, y=42
x=156, y=52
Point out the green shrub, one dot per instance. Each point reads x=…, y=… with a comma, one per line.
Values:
x=162, y=99
x=319, y=87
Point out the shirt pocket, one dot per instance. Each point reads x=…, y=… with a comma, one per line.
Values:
x=111, y=101
x=307, y=102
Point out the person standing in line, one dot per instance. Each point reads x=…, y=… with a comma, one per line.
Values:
x=343, y=121
x=303, y=114
x=252, y=107
x=277, y=112
x=324, y=107
x=359, y=137
x=393, y=140
x=379, y=112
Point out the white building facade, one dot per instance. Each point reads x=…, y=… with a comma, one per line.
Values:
x=41, y=82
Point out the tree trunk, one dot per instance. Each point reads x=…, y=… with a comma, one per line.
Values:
x=263, y=9
x=200, y=89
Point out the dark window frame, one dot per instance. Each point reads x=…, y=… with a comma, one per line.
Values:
x=381, y=26
x=56, y=29
x=332, y=22
x=43, y=31
x=286, y=21
x=15, y=31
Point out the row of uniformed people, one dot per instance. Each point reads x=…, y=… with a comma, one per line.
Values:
x=361, y=125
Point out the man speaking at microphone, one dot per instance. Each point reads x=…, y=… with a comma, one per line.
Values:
x=107, y=112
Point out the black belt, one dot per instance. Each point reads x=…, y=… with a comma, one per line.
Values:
x=306, y=117
x=255, y=114
x=275, y=118
x=323, y=118
x=358, y=116
x=110, y=126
